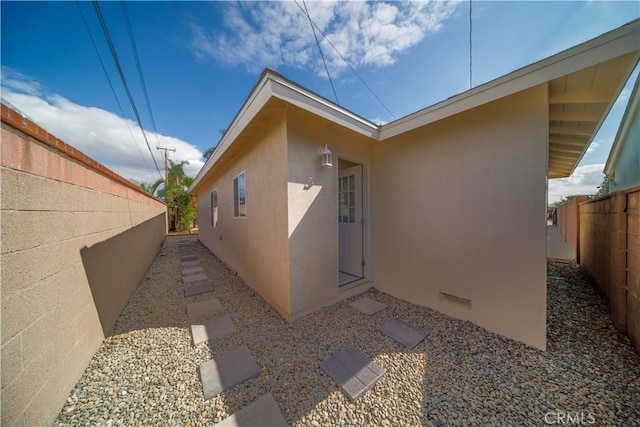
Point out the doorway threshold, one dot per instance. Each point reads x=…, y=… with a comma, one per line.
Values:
x=346, y=278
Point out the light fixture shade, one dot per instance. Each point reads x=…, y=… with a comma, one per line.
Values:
x=325, y=154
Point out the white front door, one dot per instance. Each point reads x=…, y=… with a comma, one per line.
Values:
x=350, y=223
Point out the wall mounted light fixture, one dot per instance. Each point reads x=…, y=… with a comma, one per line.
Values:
x=325, y=153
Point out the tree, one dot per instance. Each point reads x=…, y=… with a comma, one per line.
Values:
x=150, y=188
x=181, y=207
x=603, y=188
x=179, y=202
x=208, y=153
x=210, y=150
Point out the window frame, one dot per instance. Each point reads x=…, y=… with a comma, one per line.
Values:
x=214, y=208
x=238, y=203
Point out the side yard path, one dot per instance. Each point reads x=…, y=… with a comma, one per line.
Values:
x=147, y=371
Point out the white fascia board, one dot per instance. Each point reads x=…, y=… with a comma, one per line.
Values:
x=256, y=100
x=308, y=101
x=605, y=47
x=632, y=111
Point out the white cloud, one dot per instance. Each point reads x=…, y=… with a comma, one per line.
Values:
x=583, y=181
x=269, y=34
x=16, y=81
x=592, y=147
x=107, y=138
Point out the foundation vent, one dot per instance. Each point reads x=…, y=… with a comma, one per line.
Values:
x=456, y=300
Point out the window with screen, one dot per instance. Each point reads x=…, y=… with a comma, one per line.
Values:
x=240, y=196
x=214, y=208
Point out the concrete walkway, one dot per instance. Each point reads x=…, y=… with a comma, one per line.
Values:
x=556, y=246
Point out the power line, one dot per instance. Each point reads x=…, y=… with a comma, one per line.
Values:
x=125, y=12
x=470, y=46
x=345, y=61
x=124, y=81
x=104, y=69
x=320, y=49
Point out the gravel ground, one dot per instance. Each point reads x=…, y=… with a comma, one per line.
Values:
x=147, y=371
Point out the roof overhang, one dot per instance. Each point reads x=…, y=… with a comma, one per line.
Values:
x=272, y=85
x=584, y=82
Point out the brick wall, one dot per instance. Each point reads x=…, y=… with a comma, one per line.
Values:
x=609, y=249
x=56, y=206
x=633, y=267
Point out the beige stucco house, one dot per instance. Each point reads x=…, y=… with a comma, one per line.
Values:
x=444, y=208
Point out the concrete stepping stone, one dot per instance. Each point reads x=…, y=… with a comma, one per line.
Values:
x=214, y=328
x=368, y=306
x=194, y=278
x=200, y=308
x=197, y=290
x=262, y=412
x=187, y=254
x=402, y=332
x=190, y=263
x=192, y=270
x=188, y=258
x=353, y=370
x=227, y=370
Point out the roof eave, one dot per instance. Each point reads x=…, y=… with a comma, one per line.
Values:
x=615, y=43
x=273, y=84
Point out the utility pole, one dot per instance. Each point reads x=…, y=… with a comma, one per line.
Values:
x=166, y=166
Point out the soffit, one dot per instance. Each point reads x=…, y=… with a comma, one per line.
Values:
x=578, y=104
x=250, y=133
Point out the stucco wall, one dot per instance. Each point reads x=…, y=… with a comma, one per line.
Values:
x=460, y=210
x=568, y=223
x=313, y=204
x=254, y=246
x=56, y=204
x=627, y=171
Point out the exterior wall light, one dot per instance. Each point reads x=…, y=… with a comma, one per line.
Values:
x=325, y=153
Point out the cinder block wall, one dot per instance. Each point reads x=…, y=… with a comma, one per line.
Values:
x=610, y=251
x=633, y=267
x=56, y=203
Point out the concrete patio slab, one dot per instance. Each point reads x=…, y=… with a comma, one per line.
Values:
x=201, y=308
x=368, y=306
x=353, y=370
x=262, y=412
x=402, y=332
x=194, y=278
x=192, y=270
x=228, y=370
x=190, y=263
x=213, y=328
x=197, y=290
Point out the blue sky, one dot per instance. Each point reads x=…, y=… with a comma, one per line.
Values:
x=200, y=60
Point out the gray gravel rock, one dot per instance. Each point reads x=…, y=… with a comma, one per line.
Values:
x=146, y=372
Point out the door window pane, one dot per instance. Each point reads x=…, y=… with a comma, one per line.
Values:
x=346, y=199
